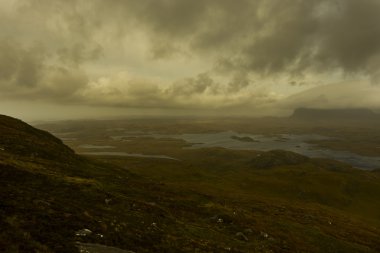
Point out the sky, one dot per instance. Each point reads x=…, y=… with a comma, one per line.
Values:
x=62, y=59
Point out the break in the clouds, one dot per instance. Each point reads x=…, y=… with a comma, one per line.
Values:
x=198, y=54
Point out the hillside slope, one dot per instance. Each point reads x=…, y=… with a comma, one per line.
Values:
x=52, y=200
x=19, y=138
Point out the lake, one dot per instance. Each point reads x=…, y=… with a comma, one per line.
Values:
x=290, y=142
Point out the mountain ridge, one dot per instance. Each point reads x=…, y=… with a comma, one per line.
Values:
x=20, y=138
x=334, y=114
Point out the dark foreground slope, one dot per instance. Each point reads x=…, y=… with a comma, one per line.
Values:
x=51, y=199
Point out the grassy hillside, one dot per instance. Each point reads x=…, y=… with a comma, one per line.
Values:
x=210, y=200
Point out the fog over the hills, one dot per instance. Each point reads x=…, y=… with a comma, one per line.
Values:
x=74, y=58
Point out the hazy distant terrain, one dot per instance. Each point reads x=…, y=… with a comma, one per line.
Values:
x=141, y=188
x=317, y=133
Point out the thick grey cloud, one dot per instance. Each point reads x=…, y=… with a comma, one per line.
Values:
x=259, y=35
x=357, y=94
x=201, y=84
x=239, y=82
x=263, y=36
x=322, y=36
x=75, y=51
x=19, y=66
x=25, y=72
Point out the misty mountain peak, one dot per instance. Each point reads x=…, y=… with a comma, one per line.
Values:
x=334, y=114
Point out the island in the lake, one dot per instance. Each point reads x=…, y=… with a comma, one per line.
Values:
x=244, y=138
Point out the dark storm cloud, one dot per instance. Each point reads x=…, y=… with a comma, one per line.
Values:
x=50, y=48
x=238, y=82
x=350, y=37
x=299, y=36
x=20, y=66
x=201, y=84
x=263, y=36
x=24, y=72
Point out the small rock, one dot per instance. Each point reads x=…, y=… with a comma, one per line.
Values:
x=222, y=218
x=241, y=236
x=83, y=232
x=87, y=214
x=154, y=227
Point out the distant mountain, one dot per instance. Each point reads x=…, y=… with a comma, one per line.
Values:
x=335, y=114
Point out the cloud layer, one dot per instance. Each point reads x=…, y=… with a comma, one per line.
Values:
x=183, y=54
